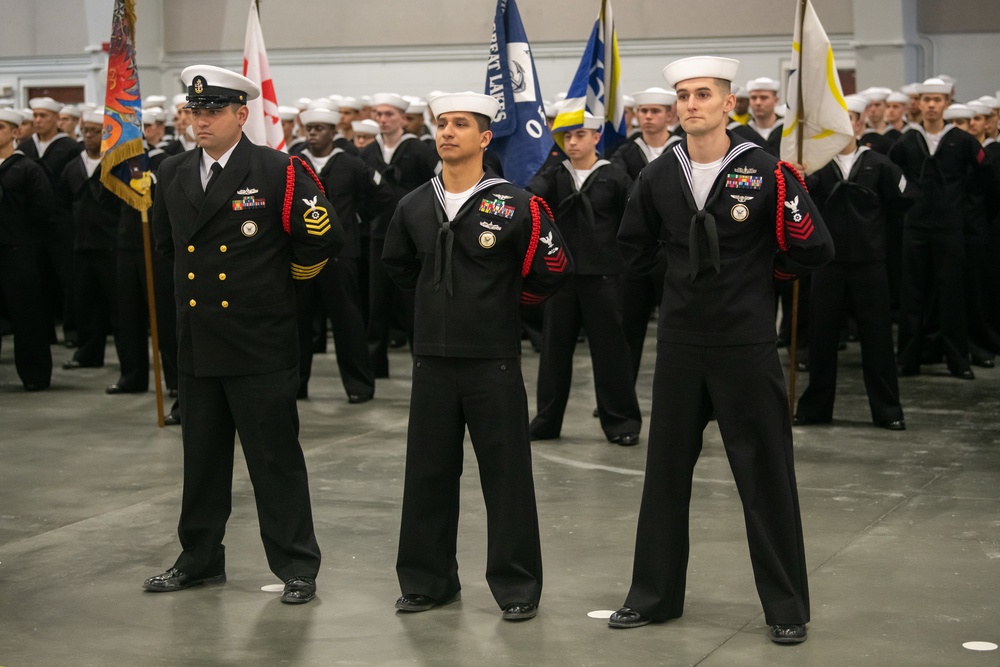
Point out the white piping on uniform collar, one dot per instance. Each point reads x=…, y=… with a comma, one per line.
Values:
x=572, y=171
x=734, y=151
x=484, y=184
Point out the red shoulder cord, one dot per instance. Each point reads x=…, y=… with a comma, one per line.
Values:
x=286, y=211
x=536, y=230
x=779, y=177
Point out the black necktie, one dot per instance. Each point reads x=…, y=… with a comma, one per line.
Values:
x=216, y=170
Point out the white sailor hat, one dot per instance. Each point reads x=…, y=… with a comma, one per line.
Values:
x=27, y=116
x=335, y=98
x=366, y=100
x=781, y=110
x=321, y=103
x=210, y=87
x=95, y=117
x=560, y=97
x=700, y=67
x=467, y=101
x=12, y=116
x=302, y=103
x=319, y=115
x=153, y=115
x=655, y=95
x=155, y=101
x=288, y=113
x=417, y=107
x=70, y=110
x=956, y=111
x=979, y=108
x=934, y=86
x=628, y=101
x=991, y=102
x=856, y=103
x=910, y=89
x=350, y=103
x=366, y=126
x=947, y=79
x=391, y=100
x=741, y=93
x=592, y=122
x=898, y=98
x=763, y=83
x=179, y=99
x=875, y=93
x=46, y=103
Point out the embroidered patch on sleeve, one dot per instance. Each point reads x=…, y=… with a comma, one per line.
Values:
x=316, y=218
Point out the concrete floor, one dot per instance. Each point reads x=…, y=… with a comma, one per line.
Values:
x=902, y=536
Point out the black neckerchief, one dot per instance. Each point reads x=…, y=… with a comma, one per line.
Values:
x=702, y=218
x=446, y=235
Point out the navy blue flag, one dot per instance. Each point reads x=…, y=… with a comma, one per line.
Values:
x=521, y=136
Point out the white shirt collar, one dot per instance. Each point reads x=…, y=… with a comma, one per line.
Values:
x=206, y=163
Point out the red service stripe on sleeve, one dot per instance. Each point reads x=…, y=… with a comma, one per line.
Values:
x=529, y=299
x=556, y=263
x=781, y=275
x=800, y=230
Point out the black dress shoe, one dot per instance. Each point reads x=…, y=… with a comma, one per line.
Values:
x=802, y=366
x=788, y=634
x=596, y=413
x=119, y=389
x=299, y=590
x=894, y=425
x=625, y=439
x=175, y=580
x=982, y=362
x=542, y=436
x=967, y=374
x=520, y=611
x=172, y=420
x=360, y=398
x=414, y=602
x=73, y=364
x=36, y=386
x=626, y=617
x=172, y=393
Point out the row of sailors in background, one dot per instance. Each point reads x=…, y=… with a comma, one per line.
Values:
x=889, y=113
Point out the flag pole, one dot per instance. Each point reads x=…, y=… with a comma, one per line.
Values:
x=151, y=303
x=799, y=138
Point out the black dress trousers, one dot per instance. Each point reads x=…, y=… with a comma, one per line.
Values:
x=594, y=302
x=746, y=387
x=22, y=294
x=488, y=396
x=261, y=408
x=864, y=288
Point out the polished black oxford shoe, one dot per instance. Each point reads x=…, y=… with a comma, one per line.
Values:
x=299, y=590
x=119, y=389
x=415, y=602
x=626, y=617
x=172, y=420
x=788, y=633
x=360, y=398
x=175, y=580
x=520, y=611
x=73, y=365
x=625, y=439
x=894, y=425
x=967, y=374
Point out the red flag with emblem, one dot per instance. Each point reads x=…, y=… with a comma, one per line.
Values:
x=263, y=127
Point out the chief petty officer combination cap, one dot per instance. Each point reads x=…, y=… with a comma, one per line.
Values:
x=700, y=67
x=210, y=87
x=468, y=101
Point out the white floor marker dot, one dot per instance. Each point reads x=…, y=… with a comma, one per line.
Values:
x=980, y=646
x=273, y=588
x=601, y=613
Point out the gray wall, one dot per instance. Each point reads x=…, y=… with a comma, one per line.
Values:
x=320, y=47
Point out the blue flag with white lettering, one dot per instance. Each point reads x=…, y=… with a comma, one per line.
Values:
x=521, y=136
